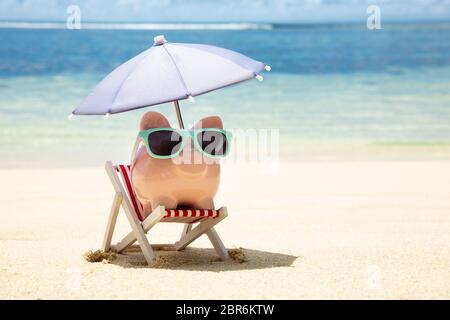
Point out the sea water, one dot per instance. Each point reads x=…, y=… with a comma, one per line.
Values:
x=334, y=92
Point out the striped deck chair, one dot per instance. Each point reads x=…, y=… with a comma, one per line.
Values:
x=126, y=197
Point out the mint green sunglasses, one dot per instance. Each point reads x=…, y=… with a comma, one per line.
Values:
x=166, y=143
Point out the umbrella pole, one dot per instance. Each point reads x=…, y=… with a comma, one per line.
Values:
x=176, y=105
x=178, y=112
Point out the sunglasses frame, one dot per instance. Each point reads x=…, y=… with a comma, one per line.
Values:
x=185, y=135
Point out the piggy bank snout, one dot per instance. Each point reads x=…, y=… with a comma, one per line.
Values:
x=191, y=169
x=191, y=163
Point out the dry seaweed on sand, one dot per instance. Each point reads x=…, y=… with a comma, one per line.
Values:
x=238, y=255
x=160, y=262
x=99, y=256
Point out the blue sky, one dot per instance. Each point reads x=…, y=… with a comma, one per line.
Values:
x=224, y=11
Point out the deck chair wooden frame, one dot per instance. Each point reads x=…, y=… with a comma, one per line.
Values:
x=125, y=198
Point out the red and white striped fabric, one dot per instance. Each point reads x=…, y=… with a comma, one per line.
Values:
x=172, y=215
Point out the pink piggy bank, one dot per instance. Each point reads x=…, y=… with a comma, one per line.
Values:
x=172, y=182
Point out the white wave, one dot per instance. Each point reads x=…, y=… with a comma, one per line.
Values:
x=139, y=26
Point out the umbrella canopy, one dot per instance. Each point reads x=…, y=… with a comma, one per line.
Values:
x=168, y=72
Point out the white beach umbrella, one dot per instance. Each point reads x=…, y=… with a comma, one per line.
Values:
x=168, y=72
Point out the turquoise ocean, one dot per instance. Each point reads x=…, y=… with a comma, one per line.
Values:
x=335, y=92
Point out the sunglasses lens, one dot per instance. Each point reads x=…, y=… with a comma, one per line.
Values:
x=213, y=142
x=164, y=142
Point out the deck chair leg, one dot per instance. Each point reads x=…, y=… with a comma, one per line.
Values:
x=147, y=224
x=217, y=244
x=195, y=233
x=187, y=227
x=106, y=245
x=139, y=233
x=135, y=224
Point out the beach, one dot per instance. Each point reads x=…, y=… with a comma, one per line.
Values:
x=331, y=229
x=355, y=206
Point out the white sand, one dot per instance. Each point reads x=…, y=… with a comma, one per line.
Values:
x=314, y=230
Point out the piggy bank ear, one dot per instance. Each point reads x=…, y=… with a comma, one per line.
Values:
x=209, y=122
x=153, y=120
